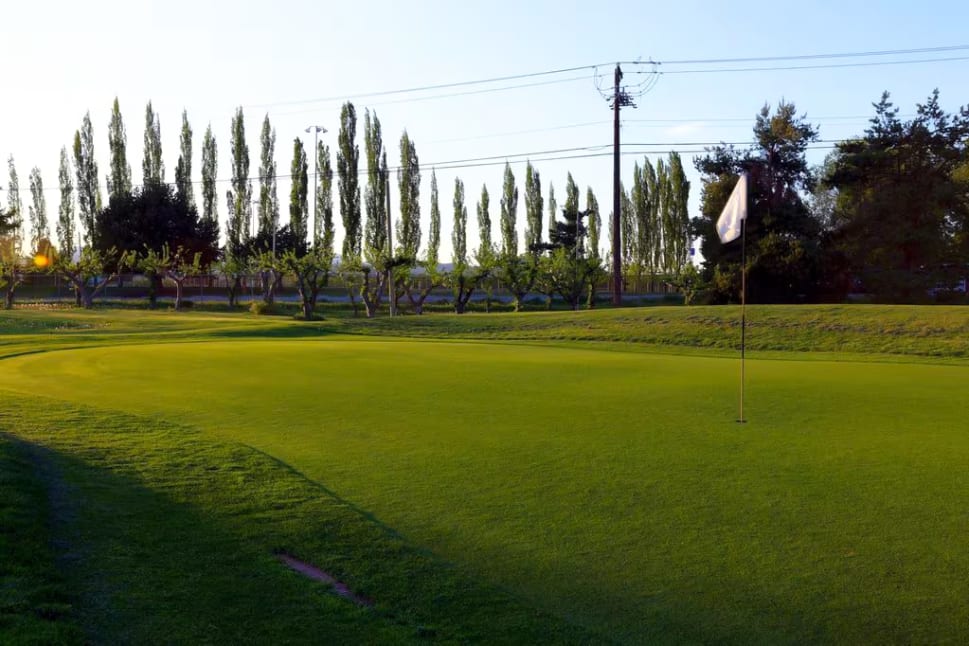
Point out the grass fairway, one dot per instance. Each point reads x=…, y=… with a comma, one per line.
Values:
x=578, y=492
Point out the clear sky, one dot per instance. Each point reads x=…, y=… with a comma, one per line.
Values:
x=64, y=58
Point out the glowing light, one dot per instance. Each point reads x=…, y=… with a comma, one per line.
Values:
x=41, y=261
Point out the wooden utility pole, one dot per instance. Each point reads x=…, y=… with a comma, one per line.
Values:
x=620, y=99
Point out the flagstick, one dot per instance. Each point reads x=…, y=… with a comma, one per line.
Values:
x=743, y=315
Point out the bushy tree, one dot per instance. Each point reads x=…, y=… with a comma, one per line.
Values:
x=901, y=214
x=783, y=240
x=153, y=218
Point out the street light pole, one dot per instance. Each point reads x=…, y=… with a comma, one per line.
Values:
x=316, y=170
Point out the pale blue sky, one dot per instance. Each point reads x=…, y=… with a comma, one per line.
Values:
x=63, y=58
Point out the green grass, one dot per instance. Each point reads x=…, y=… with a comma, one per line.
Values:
x=865, y=331
x=35, y=603
x=500, y=491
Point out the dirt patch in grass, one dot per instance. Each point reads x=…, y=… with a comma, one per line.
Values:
x=315, y=573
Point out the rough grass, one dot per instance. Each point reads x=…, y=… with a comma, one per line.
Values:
x=866, y=331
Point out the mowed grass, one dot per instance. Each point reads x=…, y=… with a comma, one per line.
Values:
x=613, y=492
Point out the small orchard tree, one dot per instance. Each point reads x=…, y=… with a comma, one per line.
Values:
x=176, y=266
x=462, y=281
x=311, y=271
x=90, y=273
x=517, y=273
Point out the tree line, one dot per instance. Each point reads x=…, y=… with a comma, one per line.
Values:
x=158, y=229
x=886, y=214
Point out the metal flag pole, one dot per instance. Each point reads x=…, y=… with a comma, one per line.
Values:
x=743, y=314
x=731, y=225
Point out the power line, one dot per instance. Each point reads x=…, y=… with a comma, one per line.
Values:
x=656, y=70
x=520, y=132
x=571, y=79
x=807, y=67
x=757, y=59
x=424, y=88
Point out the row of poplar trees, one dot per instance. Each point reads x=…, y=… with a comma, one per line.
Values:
x=157, y=228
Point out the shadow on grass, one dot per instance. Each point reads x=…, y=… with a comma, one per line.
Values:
x=170, y=537
x=148, y=568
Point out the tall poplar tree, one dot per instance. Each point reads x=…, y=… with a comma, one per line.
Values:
x=86, y=169
x=552, y=210
x=627, y=223
x=662, y=218
x=635, y=223
x=152, y=166
x=65, y=212
x=38, y=210
x=239, y=198
x=679, y=215
x=485, y=247
x=653, y=225
x=347, y=161
x=434, y=230
x=533, y=207
x=409, y=185
x=594, y=222
x=459, y=234
x=210, y=165
x=268, y=195
x=325, y=233
x=183, y=170
x=298, y=202
x=119, y=176
x=375, y=193
x=14, y=205
x=509, y=214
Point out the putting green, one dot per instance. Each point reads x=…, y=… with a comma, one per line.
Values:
x=613, y=489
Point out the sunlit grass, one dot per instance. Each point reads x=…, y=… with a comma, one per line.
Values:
x=611, y=491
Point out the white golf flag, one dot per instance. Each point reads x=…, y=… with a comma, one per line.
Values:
x=728, y=224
